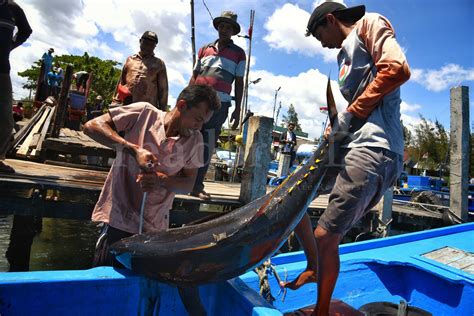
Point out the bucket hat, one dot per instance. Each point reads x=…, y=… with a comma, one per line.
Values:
x=228, y=17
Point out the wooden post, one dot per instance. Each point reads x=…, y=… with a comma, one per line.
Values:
x=384, y=209
x=61, y=108
x=256, y=159
x=283, y=165
x=39, y=97
x=459, y=151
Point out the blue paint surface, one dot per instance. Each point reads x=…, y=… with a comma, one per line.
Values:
x=388, y=269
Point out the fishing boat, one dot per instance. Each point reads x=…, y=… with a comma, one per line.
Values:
x=431, y=271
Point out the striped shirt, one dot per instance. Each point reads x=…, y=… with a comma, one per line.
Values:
x=219, y=68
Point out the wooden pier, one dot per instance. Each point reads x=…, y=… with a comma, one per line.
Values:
x=63, y=192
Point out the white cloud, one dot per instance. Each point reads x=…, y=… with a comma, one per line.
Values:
x=108, y=29
x=448, y=76
x=286, y=28
x=409, y=118
x=306, y=91
x=405, y=107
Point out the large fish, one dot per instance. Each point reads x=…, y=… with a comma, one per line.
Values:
x=230, y=245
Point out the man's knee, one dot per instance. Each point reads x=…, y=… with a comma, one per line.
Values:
x=326, y=239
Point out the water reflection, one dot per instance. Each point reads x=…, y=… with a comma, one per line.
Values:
x=63, y=244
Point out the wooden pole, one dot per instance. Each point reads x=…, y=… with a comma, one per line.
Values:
x=243, y=108
x=61, y=108
x=459, y=152
x=39, y=84
x=257, y=158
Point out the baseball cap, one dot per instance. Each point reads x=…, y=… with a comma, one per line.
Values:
x=320, y=12
x=151, y=36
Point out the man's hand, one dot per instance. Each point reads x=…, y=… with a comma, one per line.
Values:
x=144, y=157
x=327, y=132
x=342, y=123
x=235, y=118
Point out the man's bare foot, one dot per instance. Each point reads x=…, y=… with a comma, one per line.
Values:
x=307, y=276
x=203, y=195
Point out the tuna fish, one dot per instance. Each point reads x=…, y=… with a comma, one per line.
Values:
x=229, y=245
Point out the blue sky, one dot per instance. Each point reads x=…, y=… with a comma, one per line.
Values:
x=435, y=35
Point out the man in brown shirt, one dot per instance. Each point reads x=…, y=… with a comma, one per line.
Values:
x=144, y=76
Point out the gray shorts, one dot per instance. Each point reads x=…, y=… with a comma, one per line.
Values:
x=364, y=176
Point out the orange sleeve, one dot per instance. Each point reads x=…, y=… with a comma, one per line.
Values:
x=392, y=68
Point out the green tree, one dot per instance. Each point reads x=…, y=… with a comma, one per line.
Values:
x=431, y=145
x=407, y=136
x=292, y=116
x=105, y=73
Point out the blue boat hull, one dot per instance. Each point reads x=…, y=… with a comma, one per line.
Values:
x=388, y=269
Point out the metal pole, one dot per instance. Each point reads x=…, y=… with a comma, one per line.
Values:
x=149, y=167
x=193, y=39
x=142, y=213
x=278, y=113
x=274, y=103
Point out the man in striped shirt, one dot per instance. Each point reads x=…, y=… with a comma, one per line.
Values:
x=11, y=15
x=218, y=64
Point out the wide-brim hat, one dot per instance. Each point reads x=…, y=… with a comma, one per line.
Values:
x=228, y=17
x=320, y=12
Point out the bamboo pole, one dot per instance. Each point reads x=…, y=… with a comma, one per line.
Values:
x=243, y=107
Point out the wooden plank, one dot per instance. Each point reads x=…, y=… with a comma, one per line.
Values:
x=70, y=146
x=44, y=131
x=67, y=132
x=34, y=140
x=24, y=148
x=24, y=131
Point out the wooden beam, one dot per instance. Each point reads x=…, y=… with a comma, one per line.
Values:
x=46, y=126
x=25, y=146
x=61, y=108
